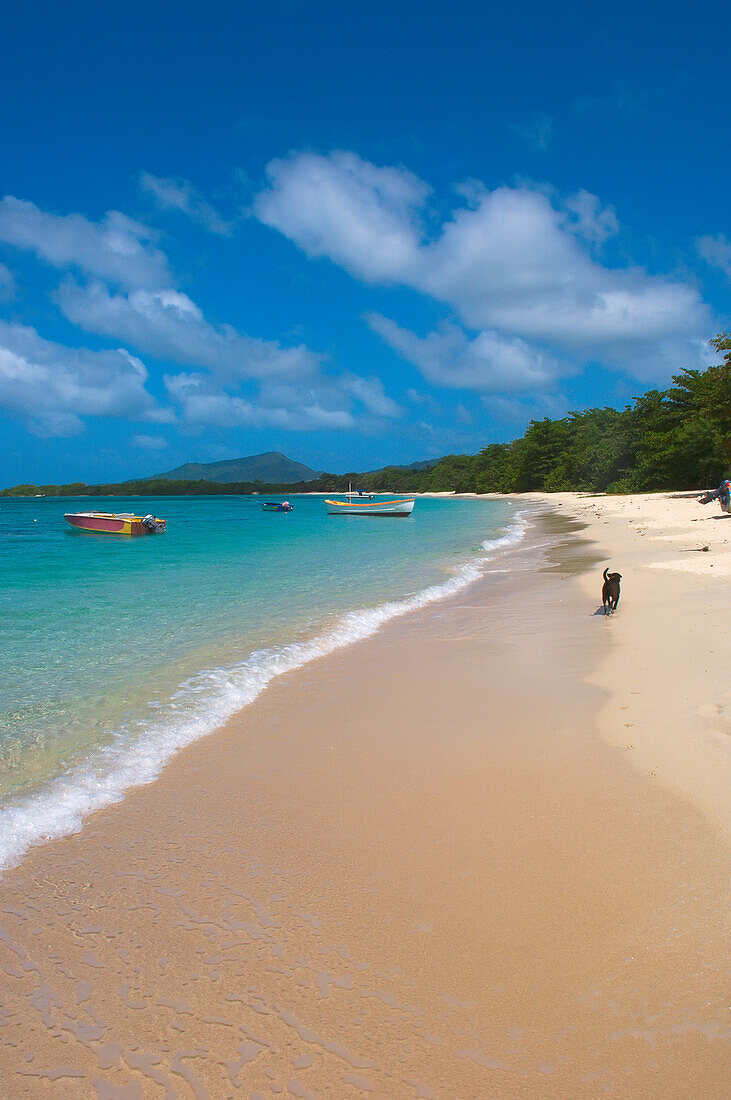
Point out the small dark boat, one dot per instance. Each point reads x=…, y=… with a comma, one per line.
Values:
x=276, y=506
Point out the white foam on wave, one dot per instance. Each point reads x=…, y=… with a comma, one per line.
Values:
x=514, y=534
x=137, y=753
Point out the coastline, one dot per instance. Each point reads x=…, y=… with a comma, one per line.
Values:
x=221, y=681
x=409, y=869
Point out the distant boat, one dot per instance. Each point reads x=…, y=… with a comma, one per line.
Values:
x=115, y=523
x=276, y=506
x=364, y=504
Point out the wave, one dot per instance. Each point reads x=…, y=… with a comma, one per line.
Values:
x=514, y=534
x=137, y=753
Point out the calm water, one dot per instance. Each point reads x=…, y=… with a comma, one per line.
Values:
x=115, y=652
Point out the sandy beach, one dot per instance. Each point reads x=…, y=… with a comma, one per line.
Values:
x=664, y=670
x=481, y=855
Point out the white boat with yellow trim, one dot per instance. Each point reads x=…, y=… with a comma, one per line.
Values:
x=362, y=504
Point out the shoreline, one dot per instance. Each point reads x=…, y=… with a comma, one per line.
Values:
x=411, y=869
x=666, y=666
x=61, y=804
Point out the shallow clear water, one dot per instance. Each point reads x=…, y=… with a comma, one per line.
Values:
x=116, y=651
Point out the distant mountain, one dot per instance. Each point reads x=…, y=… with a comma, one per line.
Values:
x=425, y=465
x=272, y=468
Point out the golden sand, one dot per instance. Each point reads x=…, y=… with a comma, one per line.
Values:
x=410, y=870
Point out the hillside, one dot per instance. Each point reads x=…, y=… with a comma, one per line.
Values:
x=416, y=466
x=270, y=468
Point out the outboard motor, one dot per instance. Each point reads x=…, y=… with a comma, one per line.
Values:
x=150, y=524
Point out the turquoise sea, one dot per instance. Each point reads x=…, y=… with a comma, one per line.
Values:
x=115, y=652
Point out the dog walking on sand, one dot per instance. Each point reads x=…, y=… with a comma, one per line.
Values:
x=610, y=591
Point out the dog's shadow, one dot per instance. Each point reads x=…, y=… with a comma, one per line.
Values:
x=603, y=613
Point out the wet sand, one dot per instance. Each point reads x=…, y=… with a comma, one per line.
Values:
x=411, y=869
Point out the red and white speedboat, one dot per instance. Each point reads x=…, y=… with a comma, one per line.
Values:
x=115, y=523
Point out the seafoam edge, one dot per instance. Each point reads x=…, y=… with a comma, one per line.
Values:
x=136, y=755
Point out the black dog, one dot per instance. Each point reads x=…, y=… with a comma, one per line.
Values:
x=610, y=591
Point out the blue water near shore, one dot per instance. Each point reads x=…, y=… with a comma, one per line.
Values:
x=116, y=652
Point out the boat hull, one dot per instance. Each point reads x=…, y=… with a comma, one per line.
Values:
x=392, y=508
x=273, y=506
x=110, y=523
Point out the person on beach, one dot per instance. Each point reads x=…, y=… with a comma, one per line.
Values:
x=722, y=494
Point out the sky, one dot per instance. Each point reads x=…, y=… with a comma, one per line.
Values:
x=358, y=234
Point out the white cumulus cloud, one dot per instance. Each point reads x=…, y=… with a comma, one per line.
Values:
x=169, y=325
x=203, y=403
x=50, y=387
x=129, y=296
x=291, y=386
x=509, y=261
x=587, y=217
x=116, y=248
x=363, y=217
x=371, y=394
x=489, y=363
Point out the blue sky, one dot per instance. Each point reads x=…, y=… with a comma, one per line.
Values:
x=358, y=234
